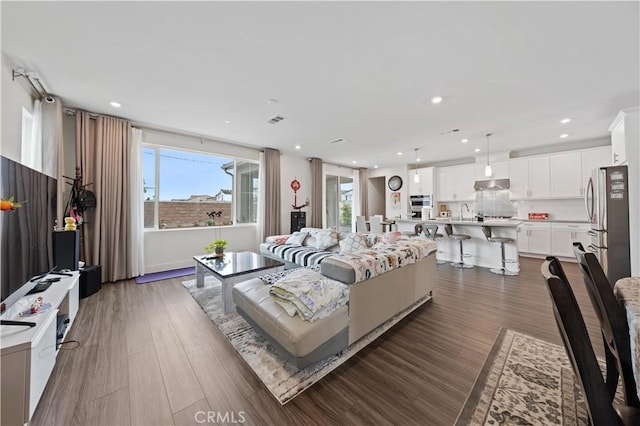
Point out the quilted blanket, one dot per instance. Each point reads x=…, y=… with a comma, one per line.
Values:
x=384, y=257
x=309, y=294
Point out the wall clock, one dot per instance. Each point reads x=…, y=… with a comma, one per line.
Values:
x=395, y=183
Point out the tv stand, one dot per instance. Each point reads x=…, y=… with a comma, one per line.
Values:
x=29, y=353
x=19, y=323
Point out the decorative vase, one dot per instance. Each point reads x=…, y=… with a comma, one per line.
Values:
x=219, y=251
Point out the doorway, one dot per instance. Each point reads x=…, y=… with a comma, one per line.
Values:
x=376, y=196
x=339, y=201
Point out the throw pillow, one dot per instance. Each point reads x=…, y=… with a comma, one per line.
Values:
x=392, y=237
x=326, y=238
x=353, y=242
x=297, y=238
x=280, y=239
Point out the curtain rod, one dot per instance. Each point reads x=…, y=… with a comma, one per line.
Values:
x=35, y=82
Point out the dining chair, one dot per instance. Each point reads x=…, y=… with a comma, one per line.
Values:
x=601, y=410
x=375, y=224
x=614, y=326
x=361, y=225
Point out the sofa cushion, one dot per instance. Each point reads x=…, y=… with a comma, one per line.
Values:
x=325, y=238
x=297, y=238
x=353, y=242
x=301, y=255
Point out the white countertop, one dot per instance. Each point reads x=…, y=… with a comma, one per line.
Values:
x=468, y=222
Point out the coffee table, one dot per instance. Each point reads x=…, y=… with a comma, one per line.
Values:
x=233, y=268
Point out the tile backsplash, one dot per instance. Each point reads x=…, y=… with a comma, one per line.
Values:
x=558, y=209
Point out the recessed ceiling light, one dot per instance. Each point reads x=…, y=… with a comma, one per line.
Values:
x=298, y=147
x=565, y=120
x=375, y=167
x=436, y=99
x=399, y=153
x=115, y=104
x=417, y=159
x=477, y=150
x=564, y=135
x=227, y=121
x=354, y=161
x=464, y=140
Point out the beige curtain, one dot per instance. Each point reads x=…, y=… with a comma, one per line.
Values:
x=363, y=182
x=102, y=153
x=316, y=193
x=272, y=192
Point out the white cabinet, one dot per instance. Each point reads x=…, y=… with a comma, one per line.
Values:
x=563, y=235
x=624, y=132
x=571, y=170
x=529, y=178
x=566, y=175
x=500, y=170
x=534, y=238
x=456, y=183
x=425, y=186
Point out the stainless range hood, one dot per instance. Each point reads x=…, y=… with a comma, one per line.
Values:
x=491, y=184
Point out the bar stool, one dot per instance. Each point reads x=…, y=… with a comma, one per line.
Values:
x=502, y=241
x=431, y=231
x=460, y=237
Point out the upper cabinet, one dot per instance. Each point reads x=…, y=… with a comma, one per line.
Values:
x=500, y=170
x=456, y=183
x=624, y=133
x=529, y=178
x=425, y=185
x=571, y=170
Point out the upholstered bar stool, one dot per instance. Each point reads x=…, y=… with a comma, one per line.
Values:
x=431, y=231
x=460, y=237
x=502, y=241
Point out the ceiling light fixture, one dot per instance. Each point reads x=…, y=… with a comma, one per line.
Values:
x=375, y=167
x=564, y=135
x=416, y=177
x=464, y=140
x=476, y=150
x=227, y=121
x=298, y=147
x=354, y=161
x=436, y=99
x=399, y=153
x=115, y=104
x=487, y=170
x=565, y=120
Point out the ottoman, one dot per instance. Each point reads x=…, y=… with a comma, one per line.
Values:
x=301, y=342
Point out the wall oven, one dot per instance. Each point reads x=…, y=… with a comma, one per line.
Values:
x=417, y=202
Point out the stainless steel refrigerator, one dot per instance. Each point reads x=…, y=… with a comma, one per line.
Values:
x=607, y=206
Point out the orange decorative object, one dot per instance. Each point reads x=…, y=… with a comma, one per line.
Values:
x=9, y=204
x=295, y=185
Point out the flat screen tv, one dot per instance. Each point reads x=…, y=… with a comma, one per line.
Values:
x=25, y=233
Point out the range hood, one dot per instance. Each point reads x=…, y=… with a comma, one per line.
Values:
x=491, y=184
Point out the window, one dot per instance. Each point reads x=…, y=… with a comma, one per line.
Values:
x=185, y=189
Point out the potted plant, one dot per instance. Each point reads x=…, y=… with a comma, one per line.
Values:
x=217, y=247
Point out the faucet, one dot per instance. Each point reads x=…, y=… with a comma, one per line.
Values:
x=463, y=205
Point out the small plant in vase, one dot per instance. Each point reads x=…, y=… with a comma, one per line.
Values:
x=217, y=247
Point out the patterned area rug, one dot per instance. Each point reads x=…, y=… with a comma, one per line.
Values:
x=524, y=381
x=283, y=379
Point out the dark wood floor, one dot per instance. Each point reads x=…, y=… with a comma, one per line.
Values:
x=149, y=355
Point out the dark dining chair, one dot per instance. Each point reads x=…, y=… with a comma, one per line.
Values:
x=614, y=326
x=602, y=411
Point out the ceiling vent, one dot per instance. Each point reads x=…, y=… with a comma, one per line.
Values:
x=276, y=119
x=339, y=140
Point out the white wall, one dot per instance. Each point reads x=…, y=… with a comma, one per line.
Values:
x=388, y=172
x=293, y=167
x=14, y=98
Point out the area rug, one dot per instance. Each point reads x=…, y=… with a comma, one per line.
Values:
x=165, y=275
x=525, y=381
x=282, y=378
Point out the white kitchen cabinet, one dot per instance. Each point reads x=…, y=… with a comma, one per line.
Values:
x=529, y=178
x=591, y=159
x=534, y=238
x=565, y=174
x=563, y=235
x=425, y=186
x=500, y=170
x=455, y=183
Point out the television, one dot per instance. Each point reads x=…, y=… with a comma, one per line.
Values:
x=25, y=233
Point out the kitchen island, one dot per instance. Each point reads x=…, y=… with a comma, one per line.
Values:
x=478, y=251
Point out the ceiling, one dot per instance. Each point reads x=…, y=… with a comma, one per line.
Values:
x=361, y=71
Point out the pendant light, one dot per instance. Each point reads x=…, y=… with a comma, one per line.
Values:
x=487, y=170
x=416, y=177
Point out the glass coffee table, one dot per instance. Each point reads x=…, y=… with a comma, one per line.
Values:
x=232, y=268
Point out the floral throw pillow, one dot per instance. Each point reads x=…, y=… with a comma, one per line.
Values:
x=297, y=238
x=326, y=238
x=353, y=242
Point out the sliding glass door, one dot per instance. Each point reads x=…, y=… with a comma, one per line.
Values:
x=339, y=201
